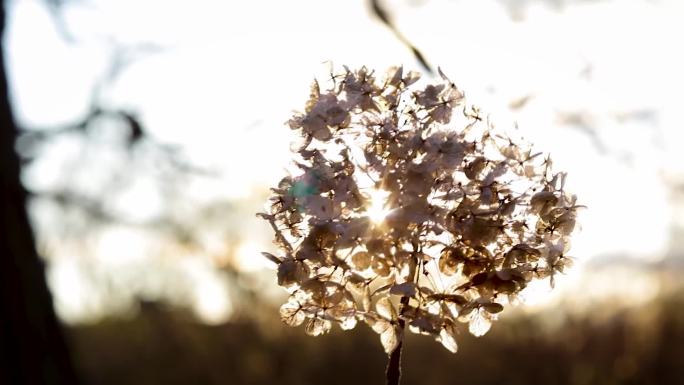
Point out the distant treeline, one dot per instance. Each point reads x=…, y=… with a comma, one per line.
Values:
x=166, y=346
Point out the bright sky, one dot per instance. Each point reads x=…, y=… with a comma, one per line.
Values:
x=228, y=74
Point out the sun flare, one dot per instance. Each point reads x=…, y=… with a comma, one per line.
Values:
x=377, y=210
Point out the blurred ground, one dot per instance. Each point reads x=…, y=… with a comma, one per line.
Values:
x=640, y=345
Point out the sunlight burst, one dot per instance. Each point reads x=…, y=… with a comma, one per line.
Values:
x=377, y=210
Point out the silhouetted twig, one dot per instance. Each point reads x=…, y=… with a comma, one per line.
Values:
x=382, y=14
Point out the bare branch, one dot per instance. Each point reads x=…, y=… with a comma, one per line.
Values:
x=382, y=14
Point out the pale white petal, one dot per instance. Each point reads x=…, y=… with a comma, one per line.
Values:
x=479, y=323
x=316, y=327
x=385, y=308
x=292, y=314
x=448, y=338
x=389, y=339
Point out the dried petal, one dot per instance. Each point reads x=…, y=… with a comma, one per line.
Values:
x=406, y=289
x=479, y=323
x=291, y=313
x=348, y=323
x=361, y=260
x=448, y=338
x=493, y=307
x=389, y=338
x=317, y=326
x=381, y=267
x=292, y=272
x=385, y=308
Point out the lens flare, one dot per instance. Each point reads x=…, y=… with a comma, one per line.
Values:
x=377, y=210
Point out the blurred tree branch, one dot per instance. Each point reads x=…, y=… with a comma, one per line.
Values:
x=381, y=13
x=84, y=212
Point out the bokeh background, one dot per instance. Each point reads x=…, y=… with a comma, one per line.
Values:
x=152, y=129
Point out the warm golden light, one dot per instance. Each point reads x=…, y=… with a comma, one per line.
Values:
x=377, y=210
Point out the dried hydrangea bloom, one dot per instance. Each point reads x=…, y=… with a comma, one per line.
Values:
x=408, y=209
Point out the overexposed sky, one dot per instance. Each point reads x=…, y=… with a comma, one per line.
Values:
x=224, y=76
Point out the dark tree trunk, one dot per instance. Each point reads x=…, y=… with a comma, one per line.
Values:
x=32, y=347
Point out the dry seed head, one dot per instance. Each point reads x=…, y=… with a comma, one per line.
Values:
x=403, y=192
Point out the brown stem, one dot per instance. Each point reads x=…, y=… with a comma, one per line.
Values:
x=393, y=372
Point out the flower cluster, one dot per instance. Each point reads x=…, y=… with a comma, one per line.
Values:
x=406, y=207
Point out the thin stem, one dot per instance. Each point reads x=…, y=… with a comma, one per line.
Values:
x=393, y=373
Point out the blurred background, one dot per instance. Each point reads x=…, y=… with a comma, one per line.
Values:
x=150, y=131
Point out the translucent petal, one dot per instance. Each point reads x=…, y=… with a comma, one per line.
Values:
x=366, y=299
x=314, y=95
x=335, y=298
x=385, y=308
x=394, y=75
x=389, y=339
x=566, y=225
x=425, y=324
x=361, y=260
x=356, y=280
x=447, y=265
x=348, y=323
x=541, y=200
x=453, y=309
x=411, y=78
x=448, y=338
x=316, y=327
x=381, y=267
x=479, y=323
x=292, y=314
x=493, y=307
x=379, y=326
x=290, y=272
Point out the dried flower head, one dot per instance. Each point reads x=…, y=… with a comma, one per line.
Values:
x=407, y=208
